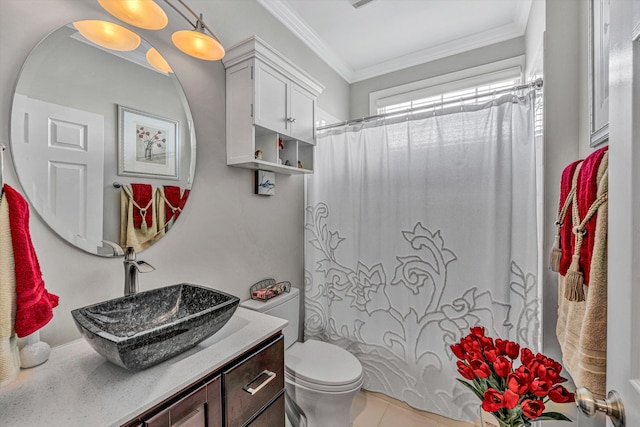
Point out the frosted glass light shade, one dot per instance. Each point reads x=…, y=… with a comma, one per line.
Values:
x=107, y=34
x=139, y=13
x=157, y=61
x=198, y=45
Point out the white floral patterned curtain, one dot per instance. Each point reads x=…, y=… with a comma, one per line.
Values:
x=417, y=230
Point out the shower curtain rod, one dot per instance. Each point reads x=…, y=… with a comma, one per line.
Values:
x=536, y=84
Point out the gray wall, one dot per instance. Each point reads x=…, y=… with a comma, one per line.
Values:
x=227, y=238
x=566, y=122
x=534, y=39
x=566, y=135
x=359, y=98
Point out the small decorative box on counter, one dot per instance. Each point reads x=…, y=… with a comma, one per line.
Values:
x=268, y=288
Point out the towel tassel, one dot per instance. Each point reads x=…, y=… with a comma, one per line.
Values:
x=556, y=255
x=574, y=281
x=556, y=252
x=143, y=211
x=143, y=214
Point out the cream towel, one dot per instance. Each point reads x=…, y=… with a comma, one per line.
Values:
x=129, y=235
x=9, y=356
x=161, y=213
x=582, y=326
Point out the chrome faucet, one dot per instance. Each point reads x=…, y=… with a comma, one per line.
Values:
x=131, y=270
x=117, y=249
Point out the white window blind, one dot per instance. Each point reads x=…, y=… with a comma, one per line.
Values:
x=478, y=94
x=479, y=81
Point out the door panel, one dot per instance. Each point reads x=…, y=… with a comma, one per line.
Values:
x=63, y=148
x=623, y=318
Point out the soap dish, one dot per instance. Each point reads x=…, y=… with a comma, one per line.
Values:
x=268, y=288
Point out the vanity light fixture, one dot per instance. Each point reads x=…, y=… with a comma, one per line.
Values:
x=200, y=42
x=157, y=61
x=146, y=14
x=197, y=42
x=108, y=35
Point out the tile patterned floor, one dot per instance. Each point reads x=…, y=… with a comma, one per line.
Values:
x=377, y=410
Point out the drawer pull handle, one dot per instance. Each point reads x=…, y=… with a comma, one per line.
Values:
x=252, y=391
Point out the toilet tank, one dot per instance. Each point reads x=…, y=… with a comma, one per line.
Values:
x=285, y=306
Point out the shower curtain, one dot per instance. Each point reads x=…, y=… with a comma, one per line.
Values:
x=416, y=230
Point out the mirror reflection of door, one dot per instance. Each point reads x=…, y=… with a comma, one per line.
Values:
x=65, y=148
x=65, y=142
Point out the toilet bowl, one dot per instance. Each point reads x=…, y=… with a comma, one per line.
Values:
x=321, y=379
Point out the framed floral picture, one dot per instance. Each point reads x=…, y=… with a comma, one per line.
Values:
x=599, y=71
x=148, y=145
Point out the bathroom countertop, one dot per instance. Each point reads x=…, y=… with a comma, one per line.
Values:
x=78, y=387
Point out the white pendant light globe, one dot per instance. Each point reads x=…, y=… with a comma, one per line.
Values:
x=108, y=35
x=144, y=14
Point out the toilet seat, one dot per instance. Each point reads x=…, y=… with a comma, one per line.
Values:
x=322, y=366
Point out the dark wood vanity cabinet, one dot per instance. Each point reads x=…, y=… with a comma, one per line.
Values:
x=198, y=408
x=252, y=384
x=248, y=391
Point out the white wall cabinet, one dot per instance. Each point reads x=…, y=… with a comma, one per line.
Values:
x=271, y=107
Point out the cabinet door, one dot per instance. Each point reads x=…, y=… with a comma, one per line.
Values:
x=240, y=113
x=253, y=383
x=214, y=402
x=271, y=98
x=303, y=108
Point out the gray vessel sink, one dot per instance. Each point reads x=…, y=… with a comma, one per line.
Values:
x=144, y=329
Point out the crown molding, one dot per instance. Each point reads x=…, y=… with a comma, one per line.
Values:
x=300, y=29
x=291, y=20
x=475, y=41
x=522, y=15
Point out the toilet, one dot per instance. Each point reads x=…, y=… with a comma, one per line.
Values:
x=321, y=379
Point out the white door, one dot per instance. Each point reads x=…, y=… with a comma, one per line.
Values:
x=623, y=334
x=59, y=156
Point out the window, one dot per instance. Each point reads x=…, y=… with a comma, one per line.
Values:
x=479, y=94
x=478, y=82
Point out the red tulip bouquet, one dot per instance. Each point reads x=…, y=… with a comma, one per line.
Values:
x=515, y=396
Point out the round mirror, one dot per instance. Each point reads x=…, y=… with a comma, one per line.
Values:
x=102, y=141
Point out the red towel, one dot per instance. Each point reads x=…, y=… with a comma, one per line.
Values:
x=567, y=240
x=177, y=200
x=34, y=305
x=586, y=193
x=142, y=194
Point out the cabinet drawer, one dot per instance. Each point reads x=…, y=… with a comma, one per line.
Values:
x=189, y=411
x=272, y=416
x=252, y=383
x=197, y=409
